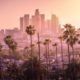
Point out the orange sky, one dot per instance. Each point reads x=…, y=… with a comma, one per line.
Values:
x=68, y=11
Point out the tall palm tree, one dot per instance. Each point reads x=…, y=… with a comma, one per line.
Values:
x=45, y=54
x=71, y=37
x=46, y=43
x=55, y=45
x=46, y=57
x=31, y=31
x=39, y=42
x=61, y=39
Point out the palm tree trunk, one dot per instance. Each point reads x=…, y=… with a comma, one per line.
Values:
x=48, y=54
x=31, y=54
x=56, y=57
x=46, y=57
x=39, y=46
x=68, y=54
x=62, y=55
x=31, y=46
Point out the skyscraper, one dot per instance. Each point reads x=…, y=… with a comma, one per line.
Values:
x=26, y=21
x=54, y=24
x=48, y=25
x=42, y=21
x=21, y=24
x=37, y=23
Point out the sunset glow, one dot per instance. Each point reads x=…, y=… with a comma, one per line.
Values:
x=66, y=10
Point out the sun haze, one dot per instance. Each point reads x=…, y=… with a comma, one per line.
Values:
x=68, y=11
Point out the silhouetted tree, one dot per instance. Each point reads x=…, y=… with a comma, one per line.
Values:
x=39, y=42
x=55, y=45
x=31, y=31
x=61, y=39
x=71, y=37
x=11, y=44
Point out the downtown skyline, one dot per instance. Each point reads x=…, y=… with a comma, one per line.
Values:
x=40, y=23
x=66, y=10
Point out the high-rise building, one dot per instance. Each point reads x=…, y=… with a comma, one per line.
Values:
x=54, y=24
x=33, y=20
x=42, y=20
x=48, y=25
x=26, y=21
x=21, y=24
x=37, y=23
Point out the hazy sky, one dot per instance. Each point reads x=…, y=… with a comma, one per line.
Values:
x=68, y=11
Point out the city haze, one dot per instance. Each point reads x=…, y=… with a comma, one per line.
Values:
x=12, y=10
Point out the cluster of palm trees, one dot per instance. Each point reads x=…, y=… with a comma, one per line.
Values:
x=70, y=36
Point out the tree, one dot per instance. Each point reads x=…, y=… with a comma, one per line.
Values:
x=55, y=45
x=71, y=37
x=11, y=44
x=47, y=42
x=61, y=39
x=31, y=31
x=39, y=42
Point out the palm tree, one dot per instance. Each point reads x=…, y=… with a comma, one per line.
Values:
x=47, y=43
x=45, y=54
x=31, y=31
x=55, y=45
x=61, y=39
x=11, y=44
x=39, y=42
x=8, y=41
x=46, y=57
x=71, y=37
